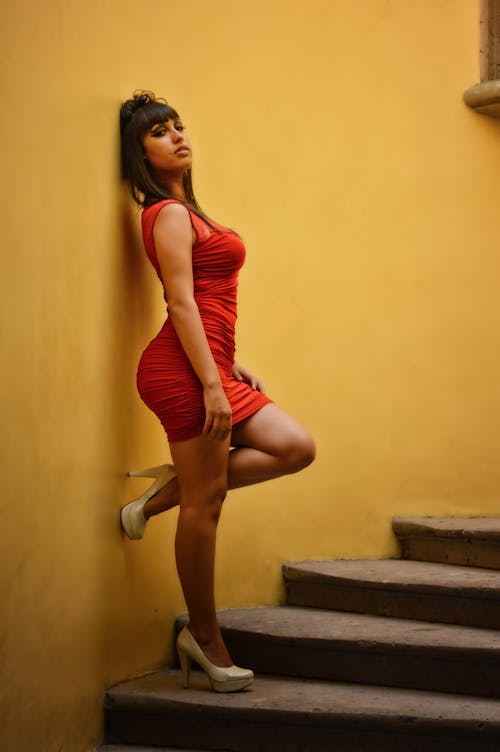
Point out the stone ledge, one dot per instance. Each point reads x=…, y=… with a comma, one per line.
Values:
x=484, y=98
x=467, y=541
x=402, y=589
x=362, y=648
x=464, y=528
x=294, y=715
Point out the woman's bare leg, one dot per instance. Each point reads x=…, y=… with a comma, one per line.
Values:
x=166, y=498
x=269, y=444
x=201, y=466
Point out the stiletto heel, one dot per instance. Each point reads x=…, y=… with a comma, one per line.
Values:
x=132, y=514
x=149, y=472
x=185, y=661
x=222, y=678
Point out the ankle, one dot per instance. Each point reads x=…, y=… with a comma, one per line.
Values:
x=213, y=648
x=206, y=637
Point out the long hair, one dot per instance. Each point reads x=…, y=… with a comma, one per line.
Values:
x=137, y=116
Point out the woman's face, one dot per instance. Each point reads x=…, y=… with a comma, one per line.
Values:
x=167, y=148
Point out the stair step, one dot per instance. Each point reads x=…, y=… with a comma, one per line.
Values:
x=313, y=643
x=471, y=541
x=403, y=589
x=297, y=715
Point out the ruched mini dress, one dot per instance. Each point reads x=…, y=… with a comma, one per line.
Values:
x=166, y=380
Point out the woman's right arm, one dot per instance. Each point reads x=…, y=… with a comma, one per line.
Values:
x=173, y=238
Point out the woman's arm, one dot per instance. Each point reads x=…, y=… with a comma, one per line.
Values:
x=173, y=239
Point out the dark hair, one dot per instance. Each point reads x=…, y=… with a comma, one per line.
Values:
x=137, y=116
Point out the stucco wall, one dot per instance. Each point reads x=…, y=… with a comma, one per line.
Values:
x=333, y=137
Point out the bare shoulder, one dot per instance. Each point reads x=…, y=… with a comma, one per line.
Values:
x=174, y=213
x=173, y=221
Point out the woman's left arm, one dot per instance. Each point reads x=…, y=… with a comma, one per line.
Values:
x=241, y=374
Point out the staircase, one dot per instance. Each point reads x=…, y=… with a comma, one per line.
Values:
x=366, y=656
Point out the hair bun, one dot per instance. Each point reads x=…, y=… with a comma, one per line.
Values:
x=140, y=99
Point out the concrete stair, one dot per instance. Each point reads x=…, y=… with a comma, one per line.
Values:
x=402, y=589
x=381, y=656
x=364, y=649
x=470, y=541
x=295, y=715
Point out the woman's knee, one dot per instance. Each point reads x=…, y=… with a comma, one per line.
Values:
x=301, y=451
x=207, y=498
x=216, y=488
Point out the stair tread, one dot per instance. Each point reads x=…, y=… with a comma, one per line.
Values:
x=484, y=528
x=400, y=574
x=313, y=700
x=292, y=623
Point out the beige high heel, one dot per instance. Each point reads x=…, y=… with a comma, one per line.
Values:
x=132, y=514
x=222, y=678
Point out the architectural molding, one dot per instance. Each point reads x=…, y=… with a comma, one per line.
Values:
x=485, y=96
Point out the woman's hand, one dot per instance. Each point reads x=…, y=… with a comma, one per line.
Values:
x=217, y=413
x=241, y=374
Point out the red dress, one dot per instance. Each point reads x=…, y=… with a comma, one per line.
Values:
x=166, y=380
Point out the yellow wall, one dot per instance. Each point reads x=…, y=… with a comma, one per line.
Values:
x=332, y=135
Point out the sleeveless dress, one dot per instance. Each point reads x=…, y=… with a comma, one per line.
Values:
x=166, y=380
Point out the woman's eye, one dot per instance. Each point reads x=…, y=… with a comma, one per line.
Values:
x=158, y=133
x=179, y=127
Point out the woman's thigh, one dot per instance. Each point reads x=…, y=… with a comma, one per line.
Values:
x=201, y=467
x=273, y=431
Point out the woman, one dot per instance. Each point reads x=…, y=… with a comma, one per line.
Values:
x=187, y=375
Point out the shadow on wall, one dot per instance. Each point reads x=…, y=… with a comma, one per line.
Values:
x=130, y=576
